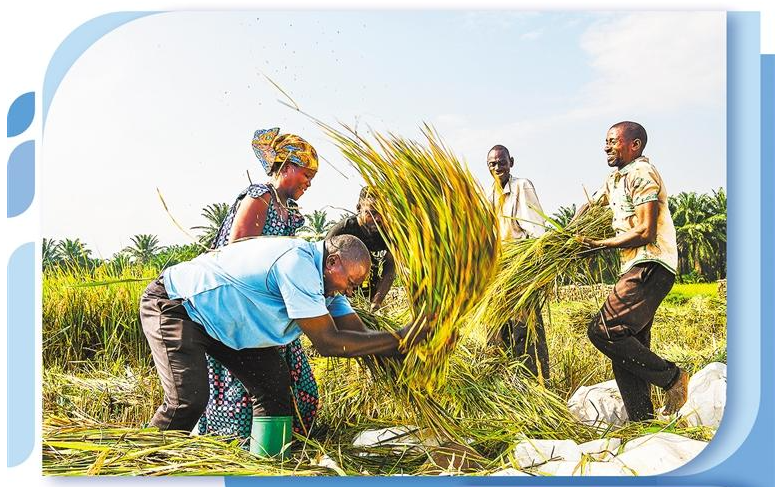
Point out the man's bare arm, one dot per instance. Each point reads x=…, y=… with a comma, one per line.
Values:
x=385, y=281
x=644, y=232
x=331, y=341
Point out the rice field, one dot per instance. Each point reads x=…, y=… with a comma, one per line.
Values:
x=454, y=404
x=100, y=390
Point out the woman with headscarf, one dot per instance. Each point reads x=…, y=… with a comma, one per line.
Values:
x=266, y=209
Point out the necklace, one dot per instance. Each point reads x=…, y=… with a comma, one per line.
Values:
x=280, y=208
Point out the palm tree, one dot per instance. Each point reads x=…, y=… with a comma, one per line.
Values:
x=74, y=253
x=718, y=218
x=215, y=214
x=700, y=226
x=51, y=256
x=144, y=247
x=317, y=226
x=119, y=262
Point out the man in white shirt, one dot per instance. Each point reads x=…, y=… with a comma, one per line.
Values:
x=517, y=206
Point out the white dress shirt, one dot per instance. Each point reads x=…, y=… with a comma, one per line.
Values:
x=518, y=208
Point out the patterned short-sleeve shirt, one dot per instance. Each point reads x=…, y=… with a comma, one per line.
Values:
x=625, y=188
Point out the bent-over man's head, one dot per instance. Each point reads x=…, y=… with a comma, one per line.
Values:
x=346, y=263
x=500, y=162
x=624, y=143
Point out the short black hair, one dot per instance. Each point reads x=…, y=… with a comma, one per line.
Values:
x=349, y=248
x=633, y=130
x=500, y=148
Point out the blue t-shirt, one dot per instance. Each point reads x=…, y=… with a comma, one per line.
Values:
x=248, y=294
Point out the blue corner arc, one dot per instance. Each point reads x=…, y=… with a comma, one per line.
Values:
x=76, y=44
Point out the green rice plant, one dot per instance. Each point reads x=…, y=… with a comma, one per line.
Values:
x=441, y=231
x=682, y=293
x=84, y=321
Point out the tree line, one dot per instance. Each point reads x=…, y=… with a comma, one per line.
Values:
x=147, y=250
x=700, y=221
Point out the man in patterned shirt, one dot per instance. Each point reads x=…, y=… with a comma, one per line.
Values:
x=645, y=236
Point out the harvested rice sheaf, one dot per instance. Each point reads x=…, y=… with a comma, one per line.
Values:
x=441, y=231
x=530, y=269
x=487, y=400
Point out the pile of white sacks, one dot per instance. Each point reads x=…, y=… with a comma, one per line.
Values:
x=600, y=406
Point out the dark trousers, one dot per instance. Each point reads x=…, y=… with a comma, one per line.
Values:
x=531, y=348
x=622, y=331
x=178, y=346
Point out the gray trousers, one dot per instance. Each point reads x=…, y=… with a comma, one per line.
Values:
x=178, y=346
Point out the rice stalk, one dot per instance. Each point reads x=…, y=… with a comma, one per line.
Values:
x=530, y=269
x=90, y=448
x=441, y=231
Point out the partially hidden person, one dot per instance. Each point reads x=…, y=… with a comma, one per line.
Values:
x=367, y=224
x=519, y=214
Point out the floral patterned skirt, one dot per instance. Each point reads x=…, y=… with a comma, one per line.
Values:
x=229, y=410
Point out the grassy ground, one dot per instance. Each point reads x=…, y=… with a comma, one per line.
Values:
x=99, y=379
x=681, y=293
x=689, y=329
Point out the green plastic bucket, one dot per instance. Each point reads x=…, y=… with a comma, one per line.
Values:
x=271, y=436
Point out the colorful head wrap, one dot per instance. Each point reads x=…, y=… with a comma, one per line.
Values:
x=271, y=148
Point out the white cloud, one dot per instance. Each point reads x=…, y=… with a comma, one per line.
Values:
x=664, y=61
x=531, y=36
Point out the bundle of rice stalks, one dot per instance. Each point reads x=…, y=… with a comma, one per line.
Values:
x=99, y=449
x=441, y=231
x=487, y=402
x=356, y=389
x=530, y=268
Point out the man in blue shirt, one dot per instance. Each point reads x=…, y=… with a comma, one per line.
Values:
x=239, y=303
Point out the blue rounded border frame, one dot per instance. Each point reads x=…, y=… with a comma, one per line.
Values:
x=76, y=44
x=740, y=454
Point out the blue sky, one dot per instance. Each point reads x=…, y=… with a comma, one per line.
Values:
x=171, y=102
